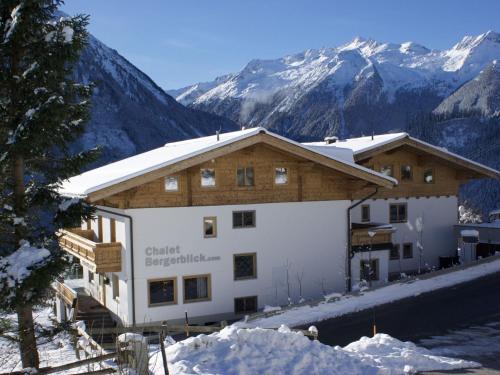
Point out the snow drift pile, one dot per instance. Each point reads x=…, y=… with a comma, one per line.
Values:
x=257, y=351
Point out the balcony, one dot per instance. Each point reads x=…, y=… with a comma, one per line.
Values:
x=371, y=235
x=97, y=256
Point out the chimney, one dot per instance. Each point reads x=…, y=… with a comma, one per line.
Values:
x=217, y=133
x=330, y=140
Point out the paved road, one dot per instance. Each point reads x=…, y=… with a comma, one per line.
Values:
x=476, y=303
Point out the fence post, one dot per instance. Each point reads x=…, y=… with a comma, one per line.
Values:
x=132, y=353
x=186, y=323
x=164, y=332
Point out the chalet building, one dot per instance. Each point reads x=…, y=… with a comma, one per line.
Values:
x=423, y=207
x=221, y=226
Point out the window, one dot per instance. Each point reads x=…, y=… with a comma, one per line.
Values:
x=171, y=183
x=197, y=288
x=368, y=270
x=244, y=176
x=429, y=176
x=387, y=170
x=281, y=176
x=162, y=292
x=245, y=266
x=243, y=219
x=91, y=276
x=365, y=213
x=406, y=173
x=210, y=227
x=112, y=230
x=394, y=254
x=244, y=305
x=408, y=250
x=398, y=213
x=207, y=177
x=116, y=286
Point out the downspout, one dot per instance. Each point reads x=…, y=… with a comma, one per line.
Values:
x=131, y=255
x=349, y=254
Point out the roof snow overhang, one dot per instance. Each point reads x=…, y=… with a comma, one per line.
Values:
x=103, y=188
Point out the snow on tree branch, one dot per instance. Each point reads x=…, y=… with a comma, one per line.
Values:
x=18, y=266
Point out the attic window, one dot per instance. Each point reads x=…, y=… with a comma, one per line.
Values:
x=207, y=177
x=429, y=176
x=387, y=170
x=406, y=172
x=171, y=183
x=281, y=176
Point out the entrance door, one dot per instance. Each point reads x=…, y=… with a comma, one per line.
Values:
x=102, y=290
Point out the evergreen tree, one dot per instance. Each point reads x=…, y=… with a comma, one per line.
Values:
x=42, y=112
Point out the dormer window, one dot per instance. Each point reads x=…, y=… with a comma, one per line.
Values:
x=207, y=177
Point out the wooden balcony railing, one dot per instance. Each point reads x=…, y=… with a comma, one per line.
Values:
x=68, y=294
x=381, y=237
x=97, y=256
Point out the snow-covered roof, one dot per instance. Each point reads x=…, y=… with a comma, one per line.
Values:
x=363, y=144
x=174, y=152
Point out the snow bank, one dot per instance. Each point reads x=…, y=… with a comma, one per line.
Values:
x=327, y=309
x=256, y=351
x=397, y=357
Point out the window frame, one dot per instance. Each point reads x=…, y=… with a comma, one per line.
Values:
x=174, y=302
x=243, y=226
x=363, y=207
x=209, y=288
x=433, y=176
x=391, y=166
x=254, y=276
x=245, y=179
x=177, y=178
x=246, y=311
x=395, y=246
x=115, y=287
x=214, y=219
x=91, y=279
x=401, y=173
x=287, y=170
x=410, y=244
x=398, y=220
x=201, y=179
x=377, y=269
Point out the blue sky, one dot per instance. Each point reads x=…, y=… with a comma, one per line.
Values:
x=186, y=41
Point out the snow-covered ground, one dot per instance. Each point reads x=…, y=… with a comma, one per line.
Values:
x=335, y=305
x=54, y=349
x=259, y=351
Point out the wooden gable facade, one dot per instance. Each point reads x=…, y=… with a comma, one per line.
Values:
x=421, y=170
x=311, y=177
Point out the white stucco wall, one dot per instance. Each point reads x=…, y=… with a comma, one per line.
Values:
x=383, y=263
x=439, y=215
x=311, y=236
